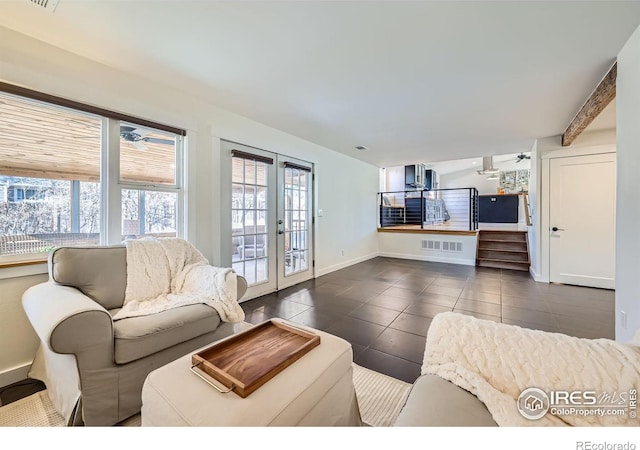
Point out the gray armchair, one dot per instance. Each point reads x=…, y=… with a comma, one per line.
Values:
x=93, y=367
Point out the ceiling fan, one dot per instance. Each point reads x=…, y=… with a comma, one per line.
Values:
x=138, y=136
x=521, y=156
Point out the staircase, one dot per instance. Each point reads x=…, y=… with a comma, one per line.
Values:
x=503, y=250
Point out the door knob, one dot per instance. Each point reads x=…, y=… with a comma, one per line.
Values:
x=280, y=222
x=557, y=229
x=280, y=232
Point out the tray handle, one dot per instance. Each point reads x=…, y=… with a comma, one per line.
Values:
x=209, y=382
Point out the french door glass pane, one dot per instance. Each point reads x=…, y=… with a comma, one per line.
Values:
x=249, y=220
x=296, y=219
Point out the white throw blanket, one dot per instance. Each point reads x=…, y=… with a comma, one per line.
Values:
x=167, y=273
x=496, y=362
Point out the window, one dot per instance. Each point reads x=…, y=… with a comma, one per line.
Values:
x=54, y=177
x=149, y=160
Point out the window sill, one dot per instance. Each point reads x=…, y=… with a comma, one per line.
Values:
x=15, y=269
x=30, y=262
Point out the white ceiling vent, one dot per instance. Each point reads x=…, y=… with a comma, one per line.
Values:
x=49, y=5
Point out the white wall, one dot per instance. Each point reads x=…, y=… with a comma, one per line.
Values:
x=346, y=187
x=533, y=231
x=395, y=179
x=18, y=341
x=409, y=246
x=628, y=189
x=470, y=178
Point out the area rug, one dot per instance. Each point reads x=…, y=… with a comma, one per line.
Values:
x=380, y=399
x=33, y=411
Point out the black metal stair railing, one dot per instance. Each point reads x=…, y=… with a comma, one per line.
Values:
x=453, y=209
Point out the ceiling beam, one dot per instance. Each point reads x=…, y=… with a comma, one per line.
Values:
x=599, y=99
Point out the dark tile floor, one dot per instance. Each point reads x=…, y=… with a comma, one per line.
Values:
x=384, y=307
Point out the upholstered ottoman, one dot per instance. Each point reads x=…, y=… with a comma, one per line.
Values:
x=316, y=390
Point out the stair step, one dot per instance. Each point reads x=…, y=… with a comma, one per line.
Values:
x=503, y=246
x=510, y=257
x=501, y=240
x=504, y=260
x=503, y=265
x=501, y=250
x=511, y=236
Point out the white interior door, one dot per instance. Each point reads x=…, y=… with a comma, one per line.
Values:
x=266, y=217
x=295, y=221
x=582, y=220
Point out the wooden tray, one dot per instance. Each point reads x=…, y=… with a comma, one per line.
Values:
x=249, y=359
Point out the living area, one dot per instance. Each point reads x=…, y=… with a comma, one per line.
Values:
x=264, y=113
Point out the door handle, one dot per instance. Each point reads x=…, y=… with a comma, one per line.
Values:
x=280, y=232
x=557, y=229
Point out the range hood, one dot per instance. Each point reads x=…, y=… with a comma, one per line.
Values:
x=487, y=166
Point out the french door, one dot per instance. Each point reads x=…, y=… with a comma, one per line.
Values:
x=269, y=218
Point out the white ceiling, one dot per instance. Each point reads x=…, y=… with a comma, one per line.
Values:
x=412, y=81
x=501, y=162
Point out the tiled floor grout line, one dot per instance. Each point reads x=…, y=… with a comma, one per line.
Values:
x=358, y=303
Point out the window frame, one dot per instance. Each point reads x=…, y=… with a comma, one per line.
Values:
x=110, y=184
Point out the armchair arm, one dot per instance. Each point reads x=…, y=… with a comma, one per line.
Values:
x=242, y=286
x=67, y=321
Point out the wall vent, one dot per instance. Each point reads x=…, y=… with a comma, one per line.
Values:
x=449, y=246
x=445, y=246
x=428, y=244
x=49, y=5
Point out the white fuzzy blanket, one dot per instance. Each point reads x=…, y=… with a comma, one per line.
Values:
x=167, y=273
x=496, y=362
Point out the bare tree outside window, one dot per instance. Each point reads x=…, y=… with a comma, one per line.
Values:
x=37, y=214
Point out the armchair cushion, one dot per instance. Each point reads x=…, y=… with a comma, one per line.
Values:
x=99, y=272
x=137, y=337
x=435, y=402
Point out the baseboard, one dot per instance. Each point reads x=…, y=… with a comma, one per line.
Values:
x=14, y=375
x=342, y=265
x=463, y=262
x=533, y=274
